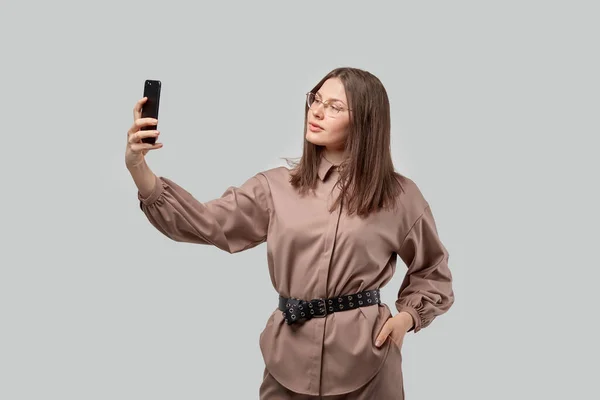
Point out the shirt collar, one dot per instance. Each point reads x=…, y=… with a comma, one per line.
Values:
x=324, y=167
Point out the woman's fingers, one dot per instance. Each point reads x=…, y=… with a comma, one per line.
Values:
x=140, y=123
x=139, y=135
x=384, y=333
x=137, y=147
x=137, y=109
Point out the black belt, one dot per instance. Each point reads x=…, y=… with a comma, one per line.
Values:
x=295, y=310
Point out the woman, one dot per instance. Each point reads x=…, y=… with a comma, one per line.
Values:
x=334, y=226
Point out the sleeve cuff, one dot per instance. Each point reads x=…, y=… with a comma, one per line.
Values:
x=159, y=187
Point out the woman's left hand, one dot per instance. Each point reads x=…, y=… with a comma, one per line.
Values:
x=395, y=327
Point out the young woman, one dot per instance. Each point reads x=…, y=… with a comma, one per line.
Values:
x=334, y=225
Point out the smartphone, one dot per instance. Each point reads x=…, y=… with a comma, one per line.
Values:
x=150, y=107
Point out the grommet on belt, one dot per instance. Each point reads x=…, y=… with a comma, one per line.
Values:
x=295, y=310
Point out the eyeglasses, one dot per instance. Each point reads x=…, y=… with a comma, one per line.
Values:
x=331, y=110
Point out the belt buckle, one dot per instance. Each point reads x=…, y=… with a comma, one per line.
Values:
x=317, y=311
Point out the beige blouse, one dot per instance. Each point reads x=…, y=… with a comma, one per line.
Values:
x=312, y=253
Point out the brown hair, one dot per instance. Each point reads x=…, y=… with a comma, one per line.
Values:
x=367, y=181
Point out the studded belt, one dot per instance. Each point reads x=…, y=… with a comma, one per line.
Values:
x=295, y=310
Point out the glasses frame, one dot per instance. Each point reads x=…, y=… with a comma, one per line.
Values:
x=325, y=103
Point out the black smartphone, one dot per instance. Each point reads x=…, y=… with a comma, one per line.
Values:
x=150, y=107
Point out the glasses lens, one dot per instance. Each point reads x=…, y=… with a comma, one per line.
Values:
x=310, y=98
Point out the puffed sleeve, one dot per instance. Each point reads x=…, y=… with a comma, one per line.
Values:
x=236, y=221
x=426, y=290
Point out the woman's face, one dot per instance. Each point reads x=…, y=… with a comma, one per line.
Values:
x=326, y=127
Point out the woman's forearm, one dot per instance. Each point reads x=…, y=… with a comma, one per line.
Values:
x=143, y=177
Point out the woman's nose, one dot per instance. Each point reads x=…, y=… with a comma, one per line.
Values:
x=318, y=110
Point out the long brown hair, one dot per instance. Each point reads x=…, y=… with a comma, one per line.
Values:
x=367, y=181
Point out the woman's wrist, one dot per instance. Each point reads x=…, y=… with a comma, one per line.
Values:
x=406, y=319
x=143, y=177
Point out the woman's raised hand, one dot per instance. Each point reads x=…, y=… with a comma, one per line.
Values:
x=136, y=149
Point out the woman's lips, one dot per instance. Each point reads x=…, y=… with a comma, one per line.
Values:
x=314, y=128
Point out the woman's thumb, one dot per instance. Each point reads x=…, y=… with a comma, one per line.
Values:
x=385, y=331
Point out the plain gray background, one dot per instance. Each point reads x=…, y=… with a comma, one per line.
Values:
x=494, y=116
